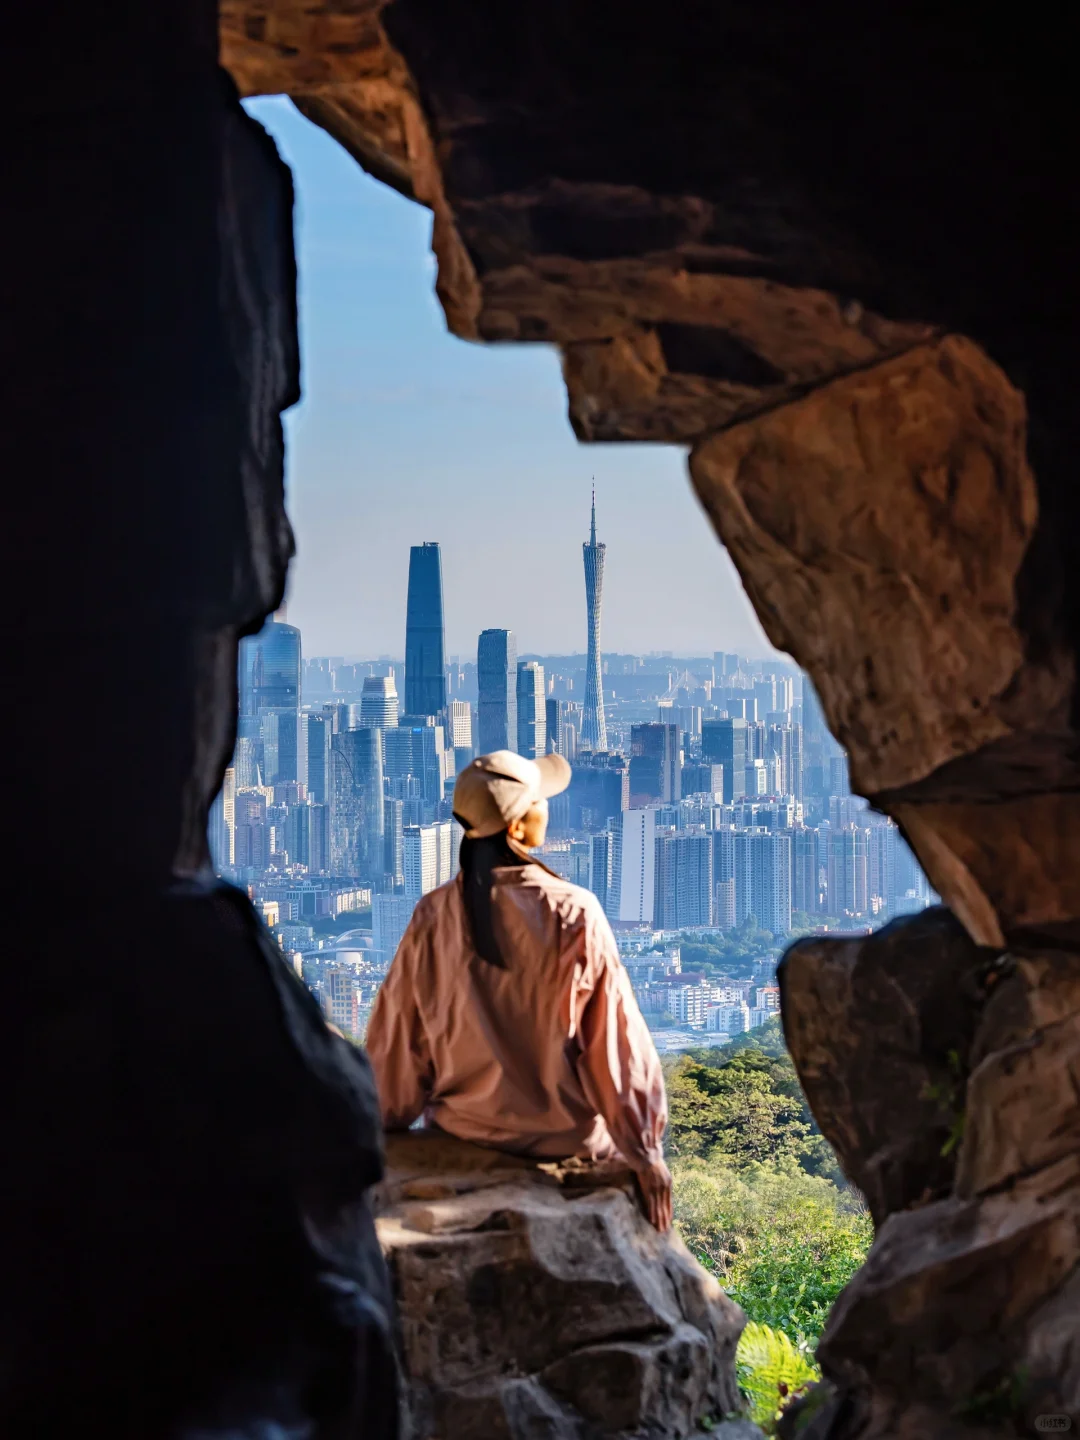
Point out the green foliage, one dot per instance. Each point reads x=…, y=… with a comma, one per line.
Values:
x=771, y=1369
x=744, y=1100
x=735, y=1110
x=782, y=1242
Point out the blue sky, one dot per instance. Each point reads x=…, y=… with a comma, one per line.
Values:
x=407, y=434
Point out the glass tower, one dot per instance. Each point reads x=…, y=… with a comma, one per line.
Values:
x=531, y=710
x=496, y=675
x=425, y=668
x=270, y=669
x=593, y=724
x=723, y=742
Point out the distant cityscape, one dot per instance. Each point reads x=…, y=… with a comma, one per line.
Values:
x=710, y=809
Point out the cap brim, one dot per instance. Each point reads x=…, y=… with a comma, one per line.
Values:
x=555, y=774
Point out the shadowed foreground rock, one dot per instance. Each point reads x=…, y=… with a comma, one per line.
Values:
x=947, y=1077
x=536, y=1301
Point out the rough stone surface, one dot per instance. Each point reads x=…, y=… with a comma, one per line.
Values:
x=881, y=1032
x=948, y=1077
x=535, y=1299
x=915, y=642
x=722, y=214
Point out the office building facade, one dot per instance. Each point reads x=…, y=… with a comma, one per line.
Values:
x=425, y=658
x=496, y=678
x=723, y=742
x=655, y=765
x=356, y=803
x=531, y=710
x=379, y=702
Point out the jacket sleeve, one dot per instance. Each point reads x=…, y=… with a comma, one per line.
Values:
x=617, y=1062
x=396, y=1039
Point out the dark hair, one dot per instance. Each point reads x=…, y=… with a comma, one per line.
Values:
x=479, y=858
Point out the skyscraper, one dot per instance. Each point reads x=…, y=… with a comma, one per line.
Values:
x=269, y=665
x=531, y=710
x=683, y=888
x=723, y=742
x=317, y=733
x=356, y=799
x=379, y=702
x=637, y=865
x=593, y=724
x=496, y=675
x=425, y=668
x=655, y=775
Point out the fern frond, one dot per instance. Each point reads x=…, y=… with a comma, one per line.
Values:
x=771, y=1369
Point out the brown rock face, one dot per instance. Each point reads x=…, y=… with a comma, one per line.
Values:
x=948, y=1079
x=536, y=1300
x=830, y=249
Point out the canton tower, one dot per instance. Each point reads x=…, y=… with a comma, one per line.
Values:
x=593, y=725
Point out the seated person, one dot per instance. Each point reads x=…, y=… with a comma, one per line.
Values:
x=507, y=1017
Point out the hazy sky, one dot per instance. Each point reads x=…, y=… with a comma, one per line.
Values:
x=406, y=434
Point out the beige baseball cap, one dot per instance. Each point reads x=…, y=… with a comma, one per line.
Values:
x=497, y=789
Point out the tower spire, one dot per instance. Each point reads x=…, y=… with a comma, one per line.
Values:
x=593, y=725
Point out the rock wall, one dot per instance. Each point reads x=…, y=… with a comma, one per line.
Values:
x=829, y=248
x=946, y=1076
x=536, y=1300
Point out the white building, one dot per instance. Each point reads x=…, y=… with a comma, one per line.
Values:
x=461, y=726
x=687, y=1004
x=637, y=870
x=430, y=856
x=728, y=1019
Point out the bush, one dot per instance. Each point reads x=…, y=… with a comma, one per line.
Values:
x=782, y=1243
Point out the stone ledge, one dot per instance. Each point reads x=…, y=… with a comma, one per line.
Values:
x=535, y=1300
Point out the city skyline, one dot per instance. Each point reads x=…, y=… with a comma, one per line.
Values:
x=405, y=432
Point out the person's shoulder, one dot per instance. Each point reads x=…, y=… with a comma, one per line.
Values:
x=436, y=902
x=575, y=903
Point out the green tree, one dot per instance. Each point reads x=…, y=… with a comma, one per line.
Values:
x=734, y=1110
x=783, y=1243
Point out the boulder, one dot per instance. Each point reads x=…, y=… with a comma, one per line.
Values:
x=535, y=1300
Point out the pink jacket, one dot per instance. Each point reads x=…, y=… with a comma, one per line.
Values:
x=547, y=1057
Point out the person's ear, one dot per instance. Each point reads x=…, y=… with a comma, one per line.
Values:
x=516, y=830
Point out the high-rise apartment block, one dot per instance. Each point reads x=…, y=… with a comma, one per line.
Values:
x=637, y=865
x=763, y=878
x=496, y=674
x=425, y=660
x=848, y=872
x=531, y=710
x=683, y=886
x=430, y=856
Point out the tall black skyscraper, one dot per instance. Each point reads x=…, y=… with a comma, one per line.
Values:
x=496, y=676
x=593, y=724
x=425, y=668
